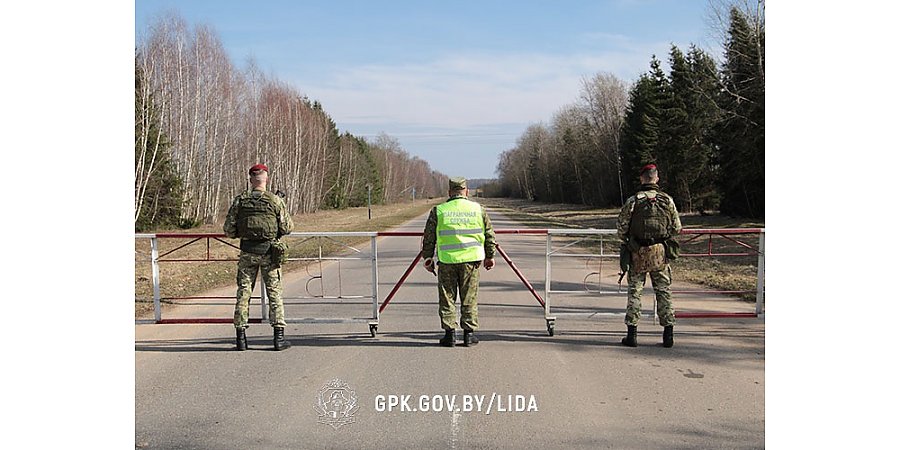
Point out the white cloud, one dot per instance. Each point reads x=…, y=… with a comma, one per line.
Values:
x=469, y=90
x=475, y=104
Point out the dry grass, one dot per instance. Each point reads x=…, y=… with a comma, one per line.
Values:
x=184, y=279
x=720, y=273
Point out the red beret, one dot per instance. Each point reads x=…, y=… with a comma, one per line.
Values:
x=647, y=167
x=259, y=167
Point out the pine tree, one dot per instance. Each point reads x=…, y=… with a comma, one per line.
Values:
x=369, y=176
x=640, y=132
x=335, y=178
x=704, y=115
x=688, y=118
x=673, y=127
x=741, y=134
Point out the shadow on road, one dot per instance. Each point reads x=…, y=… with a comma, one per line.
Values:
x=572, y=339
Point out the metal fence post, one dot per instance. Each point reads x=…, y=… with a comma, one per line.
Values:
x=547, y=277
x=375, y=277
x=761, y=274
x=154, y=262
x=264, y=298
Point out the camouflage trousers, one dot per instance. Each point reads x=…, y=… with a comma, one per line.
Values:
x=661, y=280
x=248, y=266
x=459, y=278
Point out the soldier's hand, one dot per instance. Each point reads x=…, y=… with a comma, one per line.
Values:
x=429, y=265
x=489, y=263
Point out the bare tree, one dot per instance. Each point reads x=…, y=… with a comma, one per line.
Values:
x=218, y=118
x=147, y=137
x=605, y=98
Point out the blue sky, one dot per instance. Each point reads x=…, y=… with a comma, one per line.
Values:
x=455, y=82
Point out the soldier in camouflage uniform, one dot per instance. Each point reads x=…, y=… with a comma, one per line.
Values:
x=259, y=218
x=648, y=219
x=461, y=232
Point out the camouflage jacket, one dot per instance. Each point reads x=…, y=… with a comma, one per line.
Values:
x=285, y=224
x=429, y=239
x=624, y=222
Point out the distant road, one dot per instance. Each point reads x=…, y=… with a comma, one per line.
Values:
x=577, y=389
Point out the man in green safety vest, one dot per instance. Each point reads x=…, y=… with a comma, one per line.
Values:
x=461, y=232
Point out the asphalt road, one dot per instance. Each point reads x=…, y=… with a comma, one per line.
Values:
x=577, y=389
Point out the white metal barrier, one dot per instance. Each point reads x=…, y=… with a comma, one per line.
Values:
x=549, y=254
x=726, y=233
x=156, y=258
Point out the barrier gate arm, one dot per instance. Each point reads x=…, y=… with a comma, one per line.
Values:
x=399, y=283
x=512, y=265
x=551, y=321
x=418, y=257
x=518, y=273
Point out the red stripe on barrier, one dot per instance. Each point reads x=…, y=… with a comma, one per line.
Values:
x=202, y=320
x=190, y=235
x=522, y=231
x=722, y=230
x=497, y=231
x=199, y=260
x=707, y=255
x=538, y=231
x=714, y=315
x=711, y=292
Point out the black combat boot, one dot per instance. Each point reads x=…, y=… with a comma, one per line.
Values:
x=280, y=343
x=469, y=338
x=668, y=336
x=631, y=339
x=449, y=339
x=241, y=339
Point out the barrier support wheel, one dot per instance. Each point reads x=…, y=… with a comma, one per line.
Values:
x=373, y=329
x=551, y=326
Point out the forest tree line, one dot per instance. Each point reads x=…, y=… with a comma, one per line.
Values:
x=703, y=125
x=200, y=123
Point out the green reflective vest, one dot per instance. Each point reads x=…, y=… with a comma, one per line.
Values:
x=460, y=231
